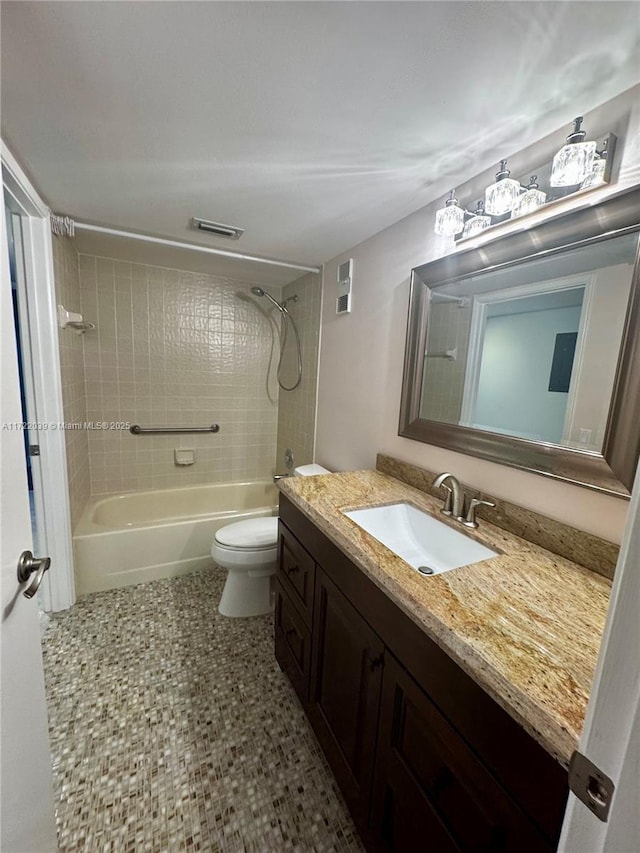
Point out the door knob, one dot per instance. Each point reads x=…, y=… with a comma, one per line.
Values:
x=27, y=564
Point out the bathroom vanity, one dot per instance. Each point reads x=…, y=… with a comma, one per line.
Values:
x=447, y=706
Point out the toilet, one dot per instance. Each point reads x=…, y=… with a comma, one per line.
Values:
x=249, y=551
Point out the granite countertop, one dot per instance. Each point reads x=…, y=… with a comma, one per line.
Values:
x=525, y=625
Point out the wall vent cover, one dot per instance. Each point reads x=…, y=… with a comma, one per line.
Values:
x=217, y=228
x=345, y=280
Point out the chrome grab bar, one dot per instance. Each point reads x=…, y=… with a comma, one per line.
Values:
x=138, y=430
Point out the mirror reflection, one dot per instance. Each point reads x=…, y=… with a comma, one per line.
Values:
x=531, y=350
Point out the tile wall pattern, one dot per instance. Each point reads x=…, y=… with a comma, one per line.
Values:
x=173, y=729
x=67, y=284
x=449, y=328
x=297, y=408
x=176, y=348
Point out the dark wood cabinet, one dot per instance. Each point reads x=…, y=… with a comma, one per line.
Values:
x=431, y=792
x=346, y=678
x=292, y=643
x=296, y=571
x=426, y=760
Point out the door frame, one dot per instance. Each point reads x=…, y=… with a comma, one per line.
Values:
x=479, y=305
x=54, y=525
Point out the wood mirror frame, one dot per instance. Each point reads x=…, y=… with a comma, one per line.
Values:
x=612, y=471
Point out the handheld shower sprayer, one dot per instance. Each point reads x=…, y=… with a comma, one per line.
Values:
x=286, y=318
x=258, y=291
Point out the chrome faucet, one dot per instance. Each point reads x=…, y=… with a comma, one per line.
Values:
x=454, y=501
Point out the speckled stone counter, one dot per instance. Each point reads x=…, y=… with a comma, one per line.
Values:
x=525, y=625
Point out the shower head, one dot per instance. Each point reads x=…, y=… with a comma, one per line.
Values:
x=258, y=291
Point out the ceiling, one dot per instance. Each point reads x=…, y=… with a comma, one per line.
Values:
x=312, y=125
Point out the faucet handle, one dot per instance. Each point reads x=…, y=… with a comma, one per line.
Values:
x=470, y=519
x=447, y=507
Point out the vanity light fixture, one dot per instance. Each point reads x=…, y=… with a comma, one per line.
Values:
x=578, y=167
x=478, y=222
x=573, y=162
x=450, y=218
x=530, y=200
x=501, y=197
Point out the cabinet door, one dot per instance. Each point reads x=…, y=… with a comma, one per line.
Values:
x=292, y=643
x=348, y=658
x=430, y=791
x=296, y=570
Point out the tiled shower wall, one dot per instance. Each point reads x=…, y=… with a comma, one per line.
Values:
x=449, y=331
x=297, y=408
x=175, y=348
x=65, y=265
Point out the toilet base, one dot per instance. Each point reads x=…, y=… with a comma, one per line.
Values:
x=244, y=595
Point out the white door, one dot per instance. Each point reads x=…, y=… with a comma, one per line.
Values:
x=28, y=824
x=611, y=736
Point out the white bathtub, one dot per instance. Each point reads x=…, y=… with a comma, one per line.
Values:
x=142, y=536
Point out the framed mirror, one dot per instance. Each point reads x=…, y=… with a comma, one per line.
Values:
x=525, y=350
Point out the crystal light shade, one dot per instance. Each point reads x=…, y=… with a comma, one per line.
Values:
x=450, y=218
x=596, y=175
x=500, y=197
x=477, y=223
x=530, y=200
x=573, y=162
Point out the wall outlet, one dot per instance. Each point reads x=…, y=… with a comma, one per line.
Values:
x=585, y=436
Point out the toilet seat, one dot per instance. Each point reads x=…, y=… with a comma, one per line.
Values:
x=253, y=534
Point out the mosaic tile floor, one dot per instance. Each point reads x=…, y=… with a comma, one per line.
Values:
x=173, y=729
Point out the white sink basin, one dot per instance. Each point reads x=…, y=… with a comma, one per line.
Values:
x=428, y=545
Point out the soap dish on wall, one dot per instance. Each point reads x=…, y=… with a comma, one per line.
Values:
x=184, y=456
x=69, y=320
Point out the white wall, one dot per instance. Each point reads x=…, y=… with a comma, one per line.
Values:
x=605, y=323
x=362, y=353
x=513, y=389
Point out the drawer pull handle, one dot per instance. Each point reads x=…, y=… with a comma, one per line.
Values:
x=293, y=569
x=290, y=632
x=376, y=662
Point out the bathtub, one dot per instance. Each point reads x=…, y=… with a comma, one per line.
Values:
x=142, y=536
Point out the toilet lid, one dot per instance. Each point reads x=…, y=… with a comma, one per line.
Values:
x=252, y=533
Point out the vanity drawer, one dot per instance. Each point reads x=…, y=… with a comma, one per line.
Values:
x=296, y=572
x=292, y=643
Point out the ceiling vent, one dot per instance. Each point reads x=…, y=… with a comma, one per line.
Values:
x=217, y=228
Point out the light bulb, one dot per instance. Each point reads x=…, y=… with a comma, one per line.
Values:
x=573, y=162
x=530, y=200
x=450, y=218
x=500, y=197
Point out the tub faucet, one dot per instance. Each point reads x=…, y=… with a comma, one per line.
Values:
x=454, y=501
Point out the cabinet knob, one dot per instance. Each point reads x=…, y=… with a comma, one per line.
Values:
x=293, y=569
x=376, y=663
x=290, y=632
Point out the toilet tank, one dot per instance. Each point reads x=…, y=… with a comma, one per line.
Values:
x=309, y=470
